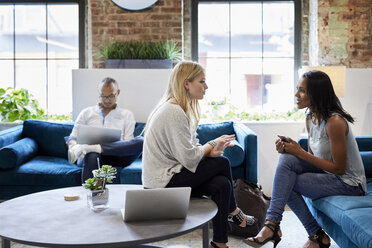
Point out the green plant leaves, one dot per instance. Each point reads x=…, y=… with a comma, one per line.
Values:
x=18, y=105
x=101, y=176
x=163, y=49
x=222, y=110
x=21, y=105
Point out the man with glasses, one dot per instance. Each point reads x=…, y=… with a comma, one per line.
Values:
x=105, y=114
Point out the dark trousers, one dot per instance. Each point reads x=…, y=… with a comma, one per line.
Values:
x=119, y=153
x=212, y=178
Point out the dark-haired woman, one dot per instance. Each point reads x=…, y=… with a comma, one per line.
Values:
x=332, y=166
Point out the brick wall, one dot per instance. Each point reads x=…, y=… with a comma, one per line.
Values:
x=345, y=29
x=345, y=33
x=109, y=22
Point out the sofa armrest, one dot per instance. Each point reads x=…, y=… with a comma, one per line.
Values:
x=248, y=139
x=10, y=135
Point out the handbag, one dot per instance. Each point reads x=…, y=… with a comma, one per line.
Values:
x=252, y=201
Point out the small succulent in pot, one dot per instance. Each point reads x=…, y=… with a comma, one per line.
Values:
x=101, y=177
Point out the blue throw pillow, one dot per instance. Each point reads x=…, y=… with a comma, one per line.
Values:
x=235, y=154
x=207, y=132
x=17, y=153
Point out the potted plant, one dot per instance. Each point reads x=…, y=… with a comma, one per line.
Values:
x=17, y=106
x=141, y=54
x=98, y=194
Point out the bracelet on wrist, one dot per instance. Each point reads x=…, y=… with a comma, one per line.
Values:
x=212, y=143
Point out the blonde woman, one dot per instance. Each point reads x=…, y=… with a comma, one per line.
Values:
x=173, y=157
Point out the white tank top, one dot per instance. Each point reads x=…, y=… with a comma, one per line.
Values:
x=319, y=144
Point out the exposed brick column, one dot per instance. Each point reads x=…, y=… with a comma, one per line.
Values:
x=345, y=33
x=187, y=29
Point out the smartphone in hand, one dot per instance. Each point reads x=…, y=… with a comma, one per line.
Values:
x=283, y=138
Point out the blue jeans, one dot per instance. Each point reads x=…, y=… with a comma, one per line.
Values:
x=212, y=177
x=295, y=178
x=119, y=153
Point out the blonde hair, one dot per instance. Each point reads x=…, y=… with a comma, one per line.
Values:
x=183, y=71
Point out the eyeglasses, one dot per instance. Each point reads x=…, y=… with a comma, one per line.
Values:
x=110, y=97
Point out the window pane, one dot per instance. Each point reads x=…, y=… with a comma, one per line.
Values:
x=213, y=29
x=246, y=83
x=31, y=75
x=217, y=78
x=278, y=26
x=246, y=29
x=60, y=85
x=279, y=85
x=30, y=31
x=63, y=33
x=6, y=31
x=7, y=73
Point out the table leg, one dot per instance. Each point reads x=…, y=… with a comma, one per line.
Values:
x=5, y=243
x=206, y=235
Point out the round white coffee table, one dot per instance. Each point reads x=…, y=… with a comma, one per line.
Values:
x=46, y=219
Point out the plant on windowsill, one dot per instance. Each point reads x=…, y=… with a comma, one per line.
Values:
x=98, y=194
x=223, y=110
x=17, y=106
x=141, y=54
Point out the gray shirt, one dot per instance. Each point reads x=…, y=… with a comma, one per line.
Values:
x=319, y=143
x=170, y=144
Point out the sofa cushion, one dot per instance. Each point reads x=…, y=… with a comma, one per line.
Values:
x=356, y=224
x=43, y=170
x=207, y=132
x=367, y=162
x=49, y=136
x=235, y=154
x=17, y=153
x=335, y=206
x=132, y=174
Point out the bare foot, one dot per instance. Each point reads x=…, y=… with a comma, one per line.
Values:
x=266, y=233
x=311, y=244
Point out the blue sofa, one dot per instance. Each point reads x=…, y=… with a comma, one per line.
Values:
x=347, y=219
x=33, y=156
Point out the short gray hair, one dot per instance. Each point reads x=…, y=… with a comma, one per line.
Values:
x=107, y=81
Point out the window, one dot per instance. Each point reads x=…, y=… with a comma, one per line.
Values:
x=39, y=46
x=250, y=50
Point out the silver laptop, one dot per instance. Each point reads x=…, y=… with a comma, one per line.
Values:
x=91, y=135
x=156, y=204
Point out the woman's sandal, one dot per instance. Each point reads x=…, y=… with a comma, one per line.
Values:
x=318, y=238
x=239, y=218
x=214, y=245
x=275, y=238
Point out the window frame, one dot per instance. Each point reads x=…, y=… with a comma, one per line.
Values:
x=297, y=30
x=81, y=35
x=81, y=4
